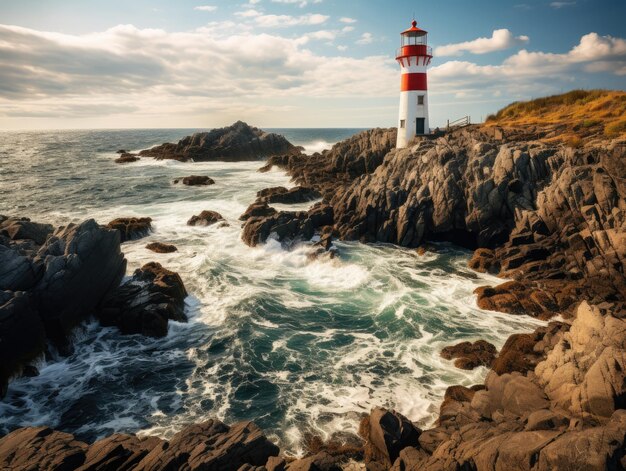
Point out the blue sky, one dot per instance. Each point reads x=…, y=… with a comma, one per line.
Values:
x=290, y=63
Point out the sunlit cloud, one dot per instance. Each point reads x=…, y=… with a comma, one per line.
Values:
x=500, y=39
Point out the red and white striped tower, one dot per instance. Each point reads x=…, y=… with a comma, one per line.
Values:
x=414, y=56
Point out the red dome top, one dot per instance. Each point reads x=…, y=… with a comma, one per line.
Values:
x=413, y=29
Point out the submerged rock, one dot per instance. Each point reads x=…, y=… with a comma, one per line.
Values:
x=127, y=158
x=131, y=228
x=233, y=143
x=195, y=180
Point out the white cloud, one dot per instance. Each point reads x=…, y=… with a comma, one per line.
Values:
x=300, y=3
x=342, y=48
x=251, y=13
x=366, y=38
x=559, y=5
x=277, y=21
x=345, y=19
x=500, y=39
x=205, y=8
x=347, y=29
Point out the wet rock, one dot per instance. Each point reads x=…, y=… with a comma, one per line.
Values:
x=283, y=195
x=286, y=225
x=205, y=218
x=22, y=335
x=83, y=264
x=520, y=298
x=257, y=209
x=160, y=247
x=19, y=271
x=468, y=355
x=145, y=303
x=386, y=433
x=484, y=261
x=238, y=142
x=195, y=180
x=127, y=158
x=131, y=228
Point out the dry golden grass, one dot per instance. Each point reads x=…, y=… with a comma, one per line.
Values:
x=580, y=114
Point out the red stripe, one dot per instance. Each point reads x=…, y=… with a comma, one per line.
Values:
x=413, y=82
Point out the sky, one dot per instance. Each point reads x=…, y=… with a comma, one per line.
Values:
x=291, y=63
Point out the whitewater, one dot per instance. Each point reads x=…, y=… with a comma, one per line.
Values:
x=299, y=346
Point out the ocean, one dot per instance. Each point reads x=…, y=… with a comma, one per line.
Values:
x=298, y=346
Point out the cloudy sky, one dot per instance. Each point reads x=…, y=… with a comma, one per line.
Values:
x=290, y=63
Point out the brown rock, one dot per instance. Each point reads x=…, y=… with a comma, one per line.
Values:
x=131, y=228
x=160, y=247
x=126, y=158
x=195, y=180
x=205, y=218
x=469, y=355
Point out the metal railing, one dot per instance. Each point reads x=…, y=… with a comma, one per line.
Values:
x=459, y=123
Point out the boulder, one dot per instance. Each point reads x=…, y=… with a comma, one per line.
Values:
x=145, y=303
x=257, y=209
x=127, y=158
x=24, y=228
x=205, y=218
x=238, y=142
x=470, y=355
x=160, y=247
x=298, y=194
x=131, y=228
x=386, y=434
x=585, y=373
x=195, y=180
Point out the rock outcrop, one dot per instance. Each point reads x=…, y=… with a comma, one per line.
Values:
x=205, y=218
x=196, y=180
x=280, y=194
x=127, y=158
x=48, y=286
x=468, y=355
x=145, y=303
x=209, y=445
x=131, y=228
x=233, y=143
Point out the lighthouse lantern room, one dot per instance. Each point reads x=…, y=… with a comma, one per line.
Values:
x=414, y=56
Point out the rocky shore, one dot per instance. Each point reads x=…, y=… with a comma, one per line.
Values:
x=547, y=217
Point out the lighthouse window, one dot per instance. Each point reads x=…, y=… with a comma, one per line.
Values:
x=402, y=122
x=420, y=99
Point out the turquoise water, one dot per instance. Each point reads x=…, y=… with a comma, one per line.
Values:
x=295, y=345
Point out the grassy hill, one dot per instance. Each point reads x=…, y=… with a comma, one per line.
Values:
x=573, y=116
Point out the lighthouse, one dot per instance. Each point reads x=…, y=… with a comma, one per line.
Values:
x=414, y=56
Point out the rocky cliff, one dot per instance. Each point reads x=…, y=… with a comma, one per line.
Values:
x=233, y=143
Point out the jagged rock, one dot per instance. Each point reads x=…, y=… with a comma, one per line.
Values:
x=40, y=448
x=195, y=180
x=410, y=459
x=469, y=355
x=484, y=261
x=280, y=194
x=160, y=247
x=22, y=335
x=209, y=445
x=212, y=445
x=286, y=225
x=131, y=228
x=586, y=371
x=233, y=143
x=127, y=158
x=522, y=352
x=24, y=228
x=145, y=303
x=257, y=209
x=82, y=265
x=386, y=433
x=205, y=218
x=321, y=461
x=19, y=271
